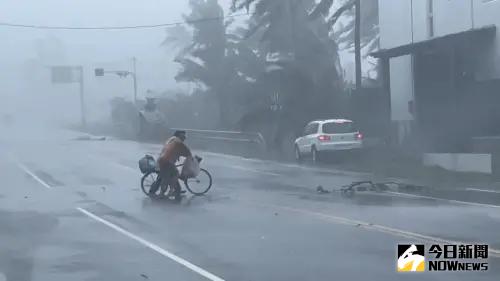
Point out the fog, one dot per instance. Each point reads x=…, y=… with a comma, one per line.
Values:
x=25, y=54
x=212, y=139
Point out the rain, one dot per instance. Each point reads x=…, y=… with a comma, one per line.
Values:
x=249, y=140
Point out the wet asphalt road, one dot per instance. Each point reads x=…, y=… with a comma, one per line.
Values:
x=73, y=210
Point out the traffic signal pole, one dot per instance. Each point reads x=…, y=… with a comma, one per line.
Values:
x=122, y=74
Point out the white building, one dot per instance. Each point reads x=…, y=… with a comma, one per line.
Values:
x=441, y=63
x=441, y=66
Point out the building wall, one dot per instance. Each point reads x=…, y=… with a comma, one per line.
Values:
x=401, y=84
x=486, y=12
x=452, y=16
x=399, y=26
x=394, y=23
x=420, y=20
x=405, y=21
x=460, y=162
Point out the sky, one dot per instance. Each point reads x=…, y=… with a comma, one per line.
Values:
x=90, y=48
x=110, y=49
x=97, y=45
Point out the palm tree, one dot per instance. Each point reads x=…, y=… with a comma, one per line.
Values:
x=301, y=57
x=343, y=31
x=177, y=38
x=303, y=74
x=222, y=64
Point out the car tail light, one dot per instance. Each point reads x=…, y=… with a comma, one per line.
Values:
x=359, y=136
x=324, y=138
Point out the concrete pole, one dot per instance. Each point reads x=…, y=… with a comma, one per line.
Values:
x=82, y=99
x=357, y=43
x=134, y=75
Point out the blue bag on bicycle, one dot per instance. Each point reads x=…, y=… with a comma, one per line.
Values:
x=147, y=164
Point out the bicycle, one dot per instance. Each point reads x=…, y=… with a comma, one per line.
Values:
x=198, y=185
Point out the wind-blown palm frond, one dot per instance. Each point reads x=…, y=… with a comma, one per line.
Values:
x=321, y=9
x=177, y=36
x=240, y=4
x=191, y=71
x=333, y=19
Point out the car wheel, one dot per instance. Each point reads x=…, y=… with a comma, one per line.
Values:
x=314, y=155
x=298, y=157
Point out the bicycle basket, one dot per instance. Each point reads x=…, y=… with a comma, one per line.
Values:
x=147, y=164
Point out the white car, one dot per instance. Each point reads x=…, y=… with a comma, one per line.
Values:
x=327, y=136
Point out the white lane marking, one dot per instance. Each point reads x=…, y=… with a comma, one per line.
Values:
x=288, y=165
x=153, y=247
x=442, y=199
x=35, y=177
x=233, y=157
x=376, y=227
x=482, y=190
x=144, y=242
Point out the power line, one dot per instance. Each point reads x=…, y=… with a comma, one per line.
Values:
x=17, y=25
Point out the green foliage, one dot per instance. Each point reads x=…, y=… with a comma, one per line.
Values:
x=303, y=58
x=284, y=49
x=343, y=33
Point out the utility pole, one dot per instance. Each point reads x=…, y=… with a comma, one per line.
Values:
x=357, y=43
x=82, y=100
x=134, y=75
x=122, y=74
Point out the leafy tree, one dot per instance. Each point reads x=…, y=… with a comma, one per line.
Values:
x=202, y=59
x=302, y=60
x=177, y=37
x=343, y=30
x=222, y=64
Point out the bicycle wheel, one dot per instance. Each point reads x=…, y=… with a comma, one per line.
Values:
x=149, y=180
x=201, y=184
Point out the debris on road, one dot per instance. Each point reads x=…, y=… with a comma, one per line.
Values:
x=321, y=190
x=359, y=186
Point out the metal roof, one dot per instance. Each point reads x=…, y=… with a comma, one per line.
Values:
x=449, y=40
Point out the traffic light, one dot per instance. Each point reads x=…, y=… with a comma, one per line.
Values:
x=122, y=74
x=99, y=72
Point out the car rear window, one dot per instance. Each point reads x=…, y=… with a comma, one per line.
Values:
x=338, y=128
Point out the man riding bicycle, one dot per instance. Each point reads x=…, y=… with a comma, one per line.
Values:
x=173, y=149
